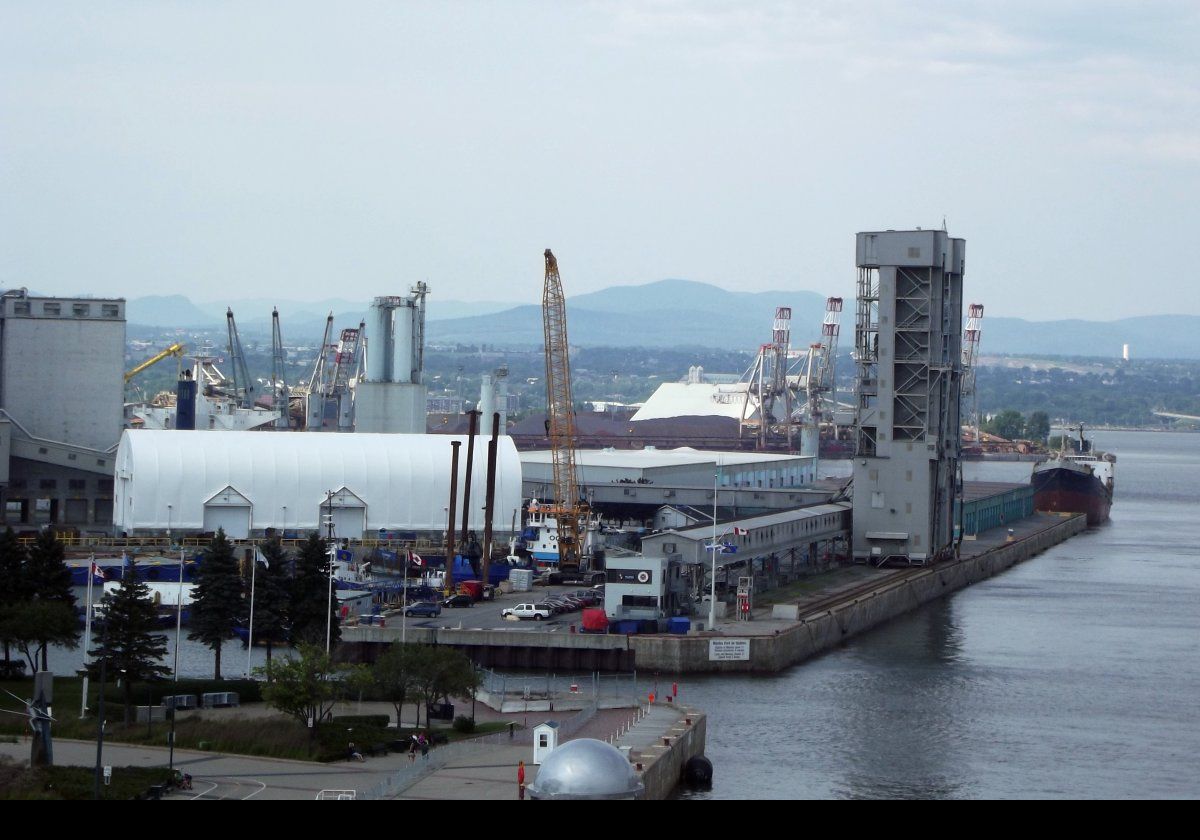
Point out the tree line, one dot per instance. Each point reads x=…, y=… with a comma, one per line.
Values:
x=292, y=606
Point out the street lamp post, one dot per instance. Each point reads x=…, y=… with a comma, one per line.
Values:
x=712, y=595
x=175, y=669
x=332, y=558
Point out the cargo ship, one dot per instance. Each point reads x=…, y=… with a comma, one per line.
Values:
x=1076, y=479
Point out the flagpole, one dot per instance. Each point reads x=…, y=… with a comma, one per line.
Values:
x=175, y=667
x=250, y=636
x=712, y=595
x=87, y=634
x=404, y=604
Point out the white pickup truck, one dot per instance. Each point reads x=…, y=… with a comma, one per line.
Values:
x=535, y=611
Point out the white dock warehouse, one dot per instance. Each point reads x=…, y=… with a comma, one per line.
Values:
x=247, y=482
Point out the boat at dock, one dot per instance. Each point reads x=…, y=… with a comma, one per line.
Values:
x=1076, y=479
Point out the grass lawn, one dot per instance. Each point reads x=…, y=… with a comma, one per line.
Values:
x=277, y=736
x=18, y=782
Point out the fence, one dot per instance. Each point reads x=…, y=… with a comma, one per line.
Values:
x=594, y=689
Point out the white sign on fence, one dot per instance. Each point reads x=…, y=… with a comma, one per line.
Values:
x=728, y=650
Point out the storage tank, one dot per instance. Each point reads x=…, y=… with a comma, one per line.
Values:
x=402, y=343
x=379, y=332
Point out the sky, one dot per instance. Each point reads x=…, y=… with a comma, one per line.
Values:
x=310, y=150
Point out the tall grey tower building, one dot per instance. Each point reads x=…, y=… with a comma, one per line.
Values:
x=908, y=341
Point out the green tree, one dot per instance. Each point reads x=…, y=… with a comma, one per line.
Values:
x=46, y=582
x=311, y=608
x=307, y=687
x=1008, y=424
x=218, y=602
x=439, y=673
x=128, y=641
x=271, y=596
x=12, y=587
x=395, y=675
x=1038, y=427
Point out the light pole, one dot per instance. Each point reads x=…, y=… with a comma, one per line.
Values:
x=175, y=668
x=332, y=558
x=712, y=595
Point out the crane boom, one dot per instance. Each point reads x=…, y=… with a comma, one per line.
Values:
x=560, y=419
x=173, y=350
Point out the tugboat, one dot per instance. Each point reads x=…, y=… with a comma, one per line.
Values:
x=1076, y=479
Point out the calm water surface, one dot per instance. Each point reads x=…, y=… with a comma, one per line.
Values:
x=1076, y=674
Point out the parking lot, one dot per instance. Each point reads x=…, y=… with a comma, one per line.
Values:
x=486, y=614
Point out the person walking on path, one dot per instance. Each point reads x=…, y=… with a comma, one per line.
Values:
x=520, y=780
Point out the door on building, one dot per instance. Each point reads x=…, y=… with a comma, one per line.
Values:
x=228, y=510
x=349, y=515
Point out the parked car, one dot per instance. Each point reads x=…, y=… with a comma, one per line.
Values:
x=538, y=612
x=459, y=600
x=428, y=609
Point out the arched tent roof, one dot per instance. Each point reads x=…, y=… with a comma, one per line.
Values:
x=165, y=478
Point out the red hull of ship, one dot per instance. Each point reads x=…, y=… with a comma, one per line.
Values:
x=1067, y=501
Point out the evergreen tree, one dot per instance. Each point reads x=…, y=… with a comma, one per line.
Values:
x=12, y=586
x=46, y=582
x=271, y=596
x=128, y=641
x=311, y=610
x=218, y=600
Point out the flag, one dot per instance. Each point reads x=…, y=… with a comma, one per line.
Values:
x=416, y=558
x=741, y=532
x=259, y=557
x=97, y=573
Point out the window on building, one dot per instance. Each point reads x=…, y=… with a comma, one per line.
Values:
x=110, y=310
x=51, y=309
x=105, y=485
x=21, y=308
x=48, y=484
x=81, y=310
x=77, y=484
x=645, y=601
x=17, y=484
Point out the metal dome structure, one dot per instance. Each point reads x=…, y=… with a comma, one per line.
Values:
x=586, y=769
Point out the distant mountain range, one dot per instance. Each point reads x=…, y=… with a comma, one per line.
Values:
x=678, y=313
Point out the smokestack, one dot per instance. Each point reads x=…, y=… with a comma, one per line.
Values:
x=466, y=509
x=490, y=496
x=453, y=511
x=185, y=402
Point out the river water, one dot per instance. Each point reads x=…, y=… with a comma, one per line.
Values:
x=1075, y=674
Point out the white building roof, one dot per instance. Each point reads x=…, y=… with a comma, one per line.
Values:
x=653, y=457
x=696, y=399
x=164, y=478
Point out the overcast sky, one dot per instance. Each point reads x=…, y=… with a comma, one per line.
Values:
x=310, y=150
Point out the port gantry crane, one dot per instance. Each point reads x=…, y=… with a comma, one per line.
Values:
x=569, y=510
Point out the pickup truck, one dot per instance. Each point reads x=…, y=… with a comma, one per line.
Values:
x=535, y=611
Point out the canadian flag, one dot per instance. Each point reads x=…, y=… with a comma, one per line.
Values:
x=415, y=559
x=741, y=532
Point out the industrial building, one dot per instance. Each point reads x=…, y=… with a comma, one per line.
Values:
x=249, y=482
x=61, y=390
x=908, y=356
x=682, y=467
x=391, y=396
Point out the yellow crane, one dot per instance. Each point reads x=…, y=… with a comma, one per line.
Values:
x=176, y=350
x=569, y=510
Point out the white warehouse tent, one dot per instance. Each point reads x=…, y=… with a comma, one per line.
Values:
x=246, y=482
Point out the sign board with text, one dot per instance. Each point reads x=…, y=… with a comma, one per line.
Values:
x=728, y=650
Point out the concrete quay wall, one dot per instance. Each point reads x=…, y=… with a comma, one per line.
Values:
x=662, y=764
x=502, y=648
x=819, y=633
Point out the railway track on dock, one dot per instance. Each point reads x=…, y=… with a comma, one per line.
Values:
x=829, y=602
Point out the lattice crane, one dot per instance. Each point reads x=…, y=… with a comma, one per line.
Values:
x=570, y=510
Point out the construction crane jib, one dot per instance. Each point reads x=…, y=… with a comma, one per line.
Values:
x=560, y=420
x=174, y=350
